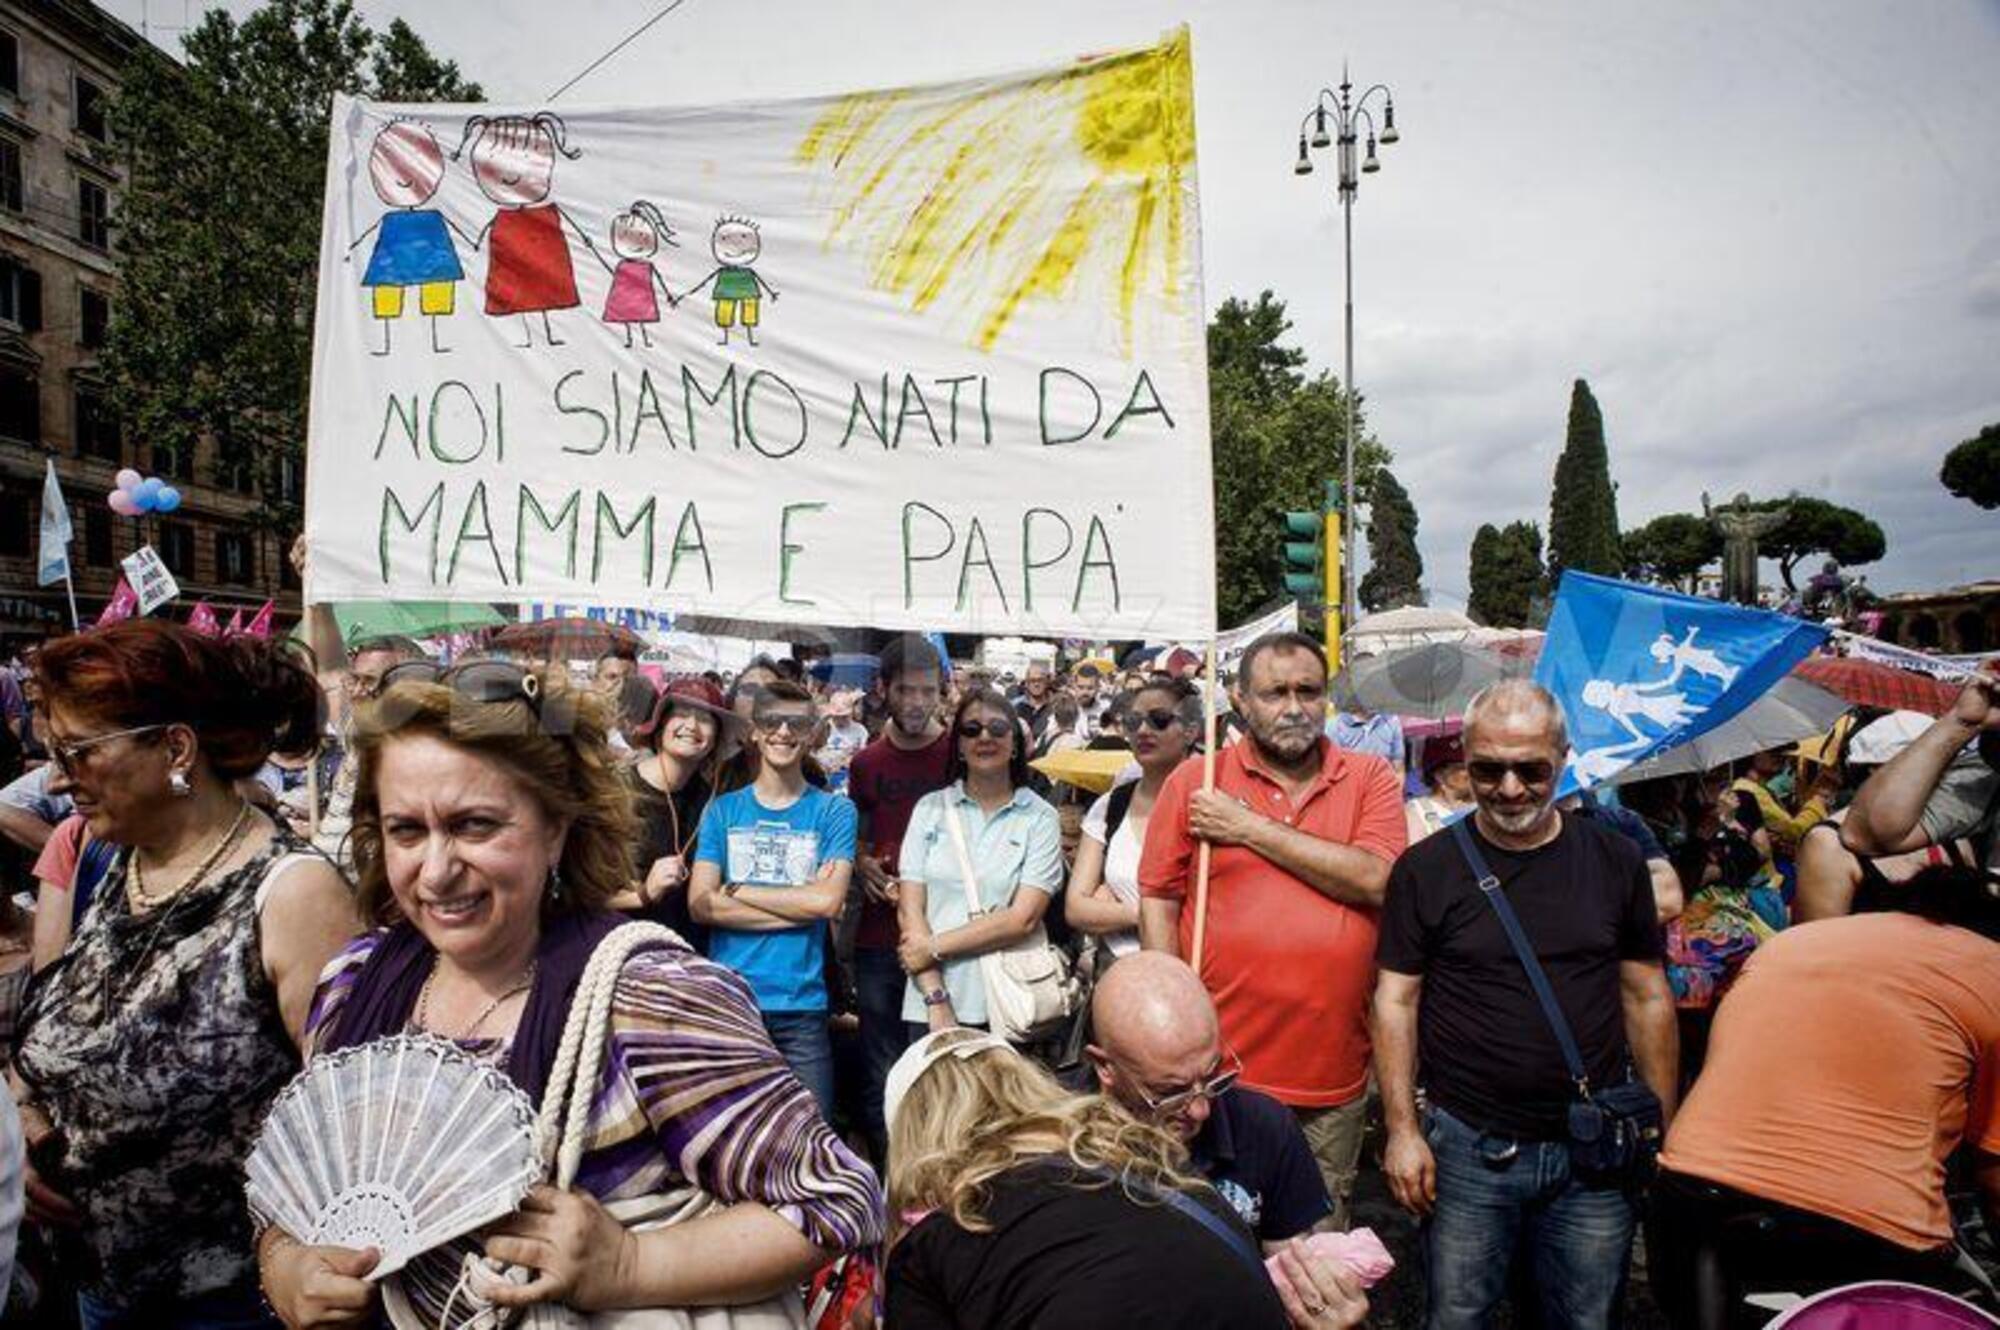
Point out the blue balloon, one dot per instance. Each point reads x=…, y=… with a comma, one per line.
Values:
x=149, y=488
x=167, y=499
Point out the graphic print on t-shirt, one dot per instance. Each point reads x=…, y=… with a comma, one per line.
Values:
x=772, y=854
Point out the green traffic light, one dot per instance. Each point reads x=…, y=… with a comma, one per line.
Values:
x=1304, y=524
x=1303, y=584
x=1302, y=554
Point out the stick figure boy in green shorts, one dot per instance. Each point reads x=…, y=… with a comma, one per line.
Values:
x=738, y=289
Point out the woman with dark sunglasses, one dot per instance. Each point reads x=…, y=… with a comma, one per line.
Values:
x=1162, y=724
x=1013, y=840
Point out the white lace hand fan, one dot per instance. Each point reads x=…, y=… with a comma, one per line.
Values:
x=401, y=1144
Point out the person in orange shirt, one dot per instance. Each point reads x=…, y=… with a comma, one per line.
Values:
x=1850, y=1060
x=1303, y=834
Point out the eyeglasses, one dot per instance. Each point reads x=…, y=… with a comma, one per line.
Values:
x=1160, y=718
x=1211, y=1087
x=789, y=723
x=992, y=729
x=68, y=755
x=1492, y=771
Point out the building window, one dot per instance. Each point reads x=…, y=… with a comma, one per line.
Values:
x=10, y=63
x=97, y=537
x=20, y=295
x=289, y=489
x=93, y=317
x=13, y=190
x=235, y=557
x=175, y=462
x=20, y=404
x=93, y=214
x=90, y=110
x=17, y=521
x=97, y=432
x=177, y=548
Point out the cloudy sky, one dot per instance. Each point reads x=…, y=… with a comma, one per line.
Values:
x=1768, y=235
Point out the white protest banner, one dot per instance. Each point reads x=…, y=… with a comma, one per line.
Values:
x=1950, y=669
x=1231, y=643
x=149, y=578
x=931, y=358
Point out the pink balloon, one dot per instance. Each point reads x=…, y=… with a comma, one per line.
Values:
x=121, y=503
x=128, y=479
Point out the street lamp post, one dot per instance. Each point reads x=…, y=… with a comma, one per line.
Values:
x=1336, y=119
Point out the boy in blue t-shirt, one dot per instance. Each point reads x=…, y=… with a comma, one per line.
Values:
x=770, y=870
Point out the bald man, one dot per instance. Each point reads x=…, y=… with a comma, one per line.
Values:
x=1159, y=1052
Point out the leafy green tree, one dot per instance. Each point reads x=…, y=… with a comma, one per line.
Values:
x=1972, y=469
x=1816, y=527
x=1583, y=504
x=1277, y=436
x=219, y=225
x=1510, y=589
x=1395, y=567
x=1671, y=550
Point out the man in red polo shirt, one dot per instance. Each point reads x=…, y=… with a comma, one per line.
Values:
x=1303, y=835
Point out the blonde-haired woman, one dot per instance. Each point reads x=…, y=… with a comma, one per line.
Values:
x=1017, y=1203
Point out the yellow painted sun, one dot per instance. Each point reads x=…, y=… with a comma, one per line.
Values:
x=1044, y=189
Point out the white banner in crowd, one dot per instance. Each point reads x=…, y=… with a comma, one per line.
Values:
x=931, y=358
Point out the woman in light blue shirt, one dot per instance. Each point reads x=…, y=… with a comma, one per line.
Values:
x=1014, y=840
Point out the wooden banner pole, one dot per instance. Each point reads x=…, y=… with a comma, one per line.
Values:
x=1202, y=852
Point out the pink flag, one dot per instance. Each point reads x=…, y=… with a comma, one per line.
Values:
x=235, y=623
x=124, y=603
x=260, y=623
x=203, y=621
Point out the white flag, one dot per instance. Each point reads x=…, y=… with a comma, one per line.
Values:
x=56, y=531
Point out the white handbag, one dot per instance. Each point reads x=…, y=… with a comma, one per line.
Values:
x=1030, y=991
x=560, y=1131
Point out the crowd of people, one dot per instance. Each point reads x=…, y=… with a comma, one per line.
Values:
x=1322, y=948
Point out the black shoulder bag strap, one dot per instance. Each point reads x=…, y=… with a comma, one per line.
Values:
x=1489, y=886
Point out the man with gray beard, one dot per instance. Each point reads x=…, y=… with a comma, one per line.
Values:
x=1485, y=1158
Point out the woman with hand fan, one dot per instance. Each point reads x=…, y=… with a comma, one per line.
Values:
x=150, y=1050
x=491, y=829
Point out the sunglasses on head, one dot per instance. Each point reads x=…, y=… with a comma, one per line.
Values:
x=1159, y=718
x=992, y=729
x=1492, y=771
x=485, y=681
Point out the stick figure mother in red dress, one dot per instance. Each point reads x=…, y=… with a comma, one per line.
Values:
x=528, y=270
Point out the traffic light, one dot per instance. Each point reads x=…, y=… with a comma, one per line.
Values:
x=1305, y=555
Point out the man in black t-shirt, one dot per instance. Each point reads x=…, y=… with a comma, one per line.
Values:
x=1158, y=1051
x=1486, y=1161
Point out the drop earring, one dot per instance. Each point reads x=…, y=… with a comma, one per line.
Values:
x=177, y=784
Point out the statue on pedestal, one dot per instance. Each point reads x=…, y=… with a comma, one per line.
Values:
x=1741, y=528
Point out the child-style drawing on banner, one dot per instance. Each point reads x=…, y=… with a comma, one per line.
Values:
x=528, y=269
x=985, y=409
x=636, y=284
x=737, y=243
x=413, y=247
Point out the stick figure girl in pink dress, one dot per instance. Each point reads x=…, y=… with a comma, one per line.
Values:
x=636, y=236
x=528, y=270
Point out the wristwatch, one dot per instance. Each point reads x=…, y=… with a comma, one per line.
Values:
x=938, y=997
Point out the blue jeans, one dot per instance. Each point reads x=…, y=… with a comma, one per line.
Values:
x=237, y=1308
x=879, y=982
x=1575, y=1239
x=807, y=1049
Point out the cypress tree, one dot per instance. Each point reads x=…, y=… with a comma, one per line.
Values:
x=1583, y=504
x=1395, y=567
x=1507, y=582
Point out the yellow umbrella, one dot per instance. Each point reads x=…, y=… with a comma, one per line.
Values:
x=1091, y=769
x=1824, y=749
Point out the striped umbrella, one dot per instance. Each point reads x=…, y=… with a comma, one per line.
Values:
x=1867, y=683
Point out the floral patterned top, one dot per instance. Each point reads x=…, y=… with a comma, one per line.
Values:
x=155, y=1045
x=692, y=1094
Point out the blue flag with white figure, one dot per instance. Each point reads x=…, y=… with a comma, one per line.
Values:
x=52, y=563
x=1638, y=670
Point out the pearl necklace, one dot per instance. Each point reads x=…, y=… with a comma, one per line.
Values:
x=137, y=878
x=421, y=1019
